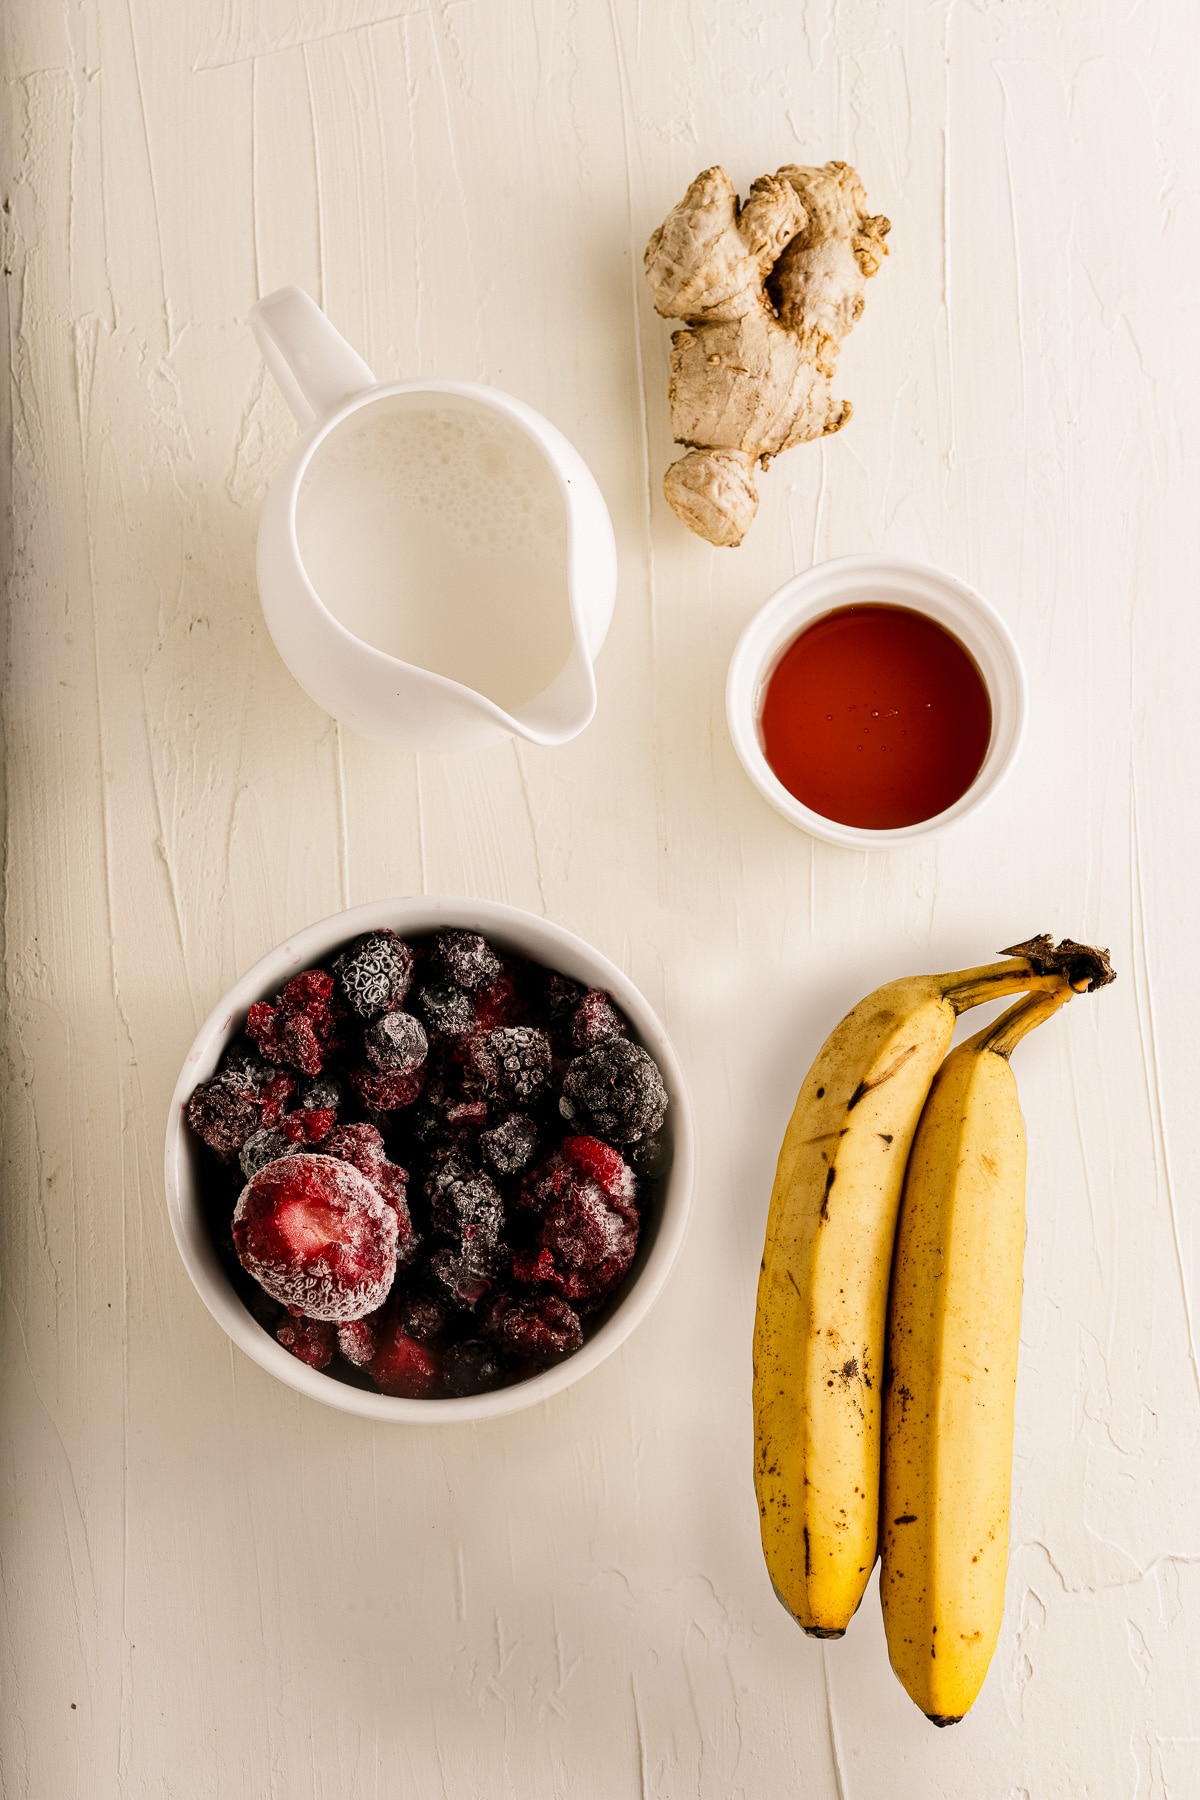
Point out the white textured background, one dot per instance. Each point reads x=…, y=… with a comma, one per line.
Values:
x=213, y=1588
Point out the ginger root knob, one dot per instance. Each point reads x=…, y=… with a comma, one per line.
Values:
x=768, y=291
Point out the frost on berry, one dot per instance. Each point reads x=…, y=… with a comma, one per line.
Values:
x=310, y=1340
x=299, y=1028
x=540, y=1328
x=616, y=1091
x=512, y=1063
x=260, y=1148
x=446, y=1009
x=375, y=973
x=308, y=1125
x=594, y=1020
x=587, y=1228
x=362, y=1146
x=396, y=1042
x=316, y=1234
x=237, y=1102
x=357, y=1340
x=387, y=1090
x=465, y=959
x=509, y=1146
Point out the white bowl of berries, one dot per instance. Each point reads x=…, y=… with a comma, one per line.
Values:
x=430, y=1159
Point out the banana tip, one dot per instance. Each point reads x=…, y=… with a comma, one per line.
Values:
x=944, y=1718
x=823, y=1631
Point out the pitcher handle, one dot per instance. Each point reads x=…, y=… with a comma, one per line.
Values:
x=314, y=365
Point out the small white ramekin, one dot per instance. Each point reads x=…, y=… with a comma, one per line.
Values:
x=875, y=581
x=510, y=929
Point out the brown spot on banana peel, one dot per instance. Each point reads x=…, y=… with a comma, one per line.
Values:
x=830, y=1178
x=867, y=1087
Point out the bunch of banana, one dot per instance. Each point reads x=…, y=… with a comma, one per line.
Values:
x=822, y=1318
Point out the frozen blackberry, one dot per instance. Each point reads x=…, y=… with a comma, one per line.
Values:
x=559, y=996
x=446, y=1009
x=465, y=1205
x=509, y=1146
x=396, y=1041
x=615, y=1090
x=594, y=1020
x=423, y=1318
x=542, y=1328
x=375, y=973
x=464, y=1277
x=466, y=959
x=241, y=1057
x=512, y=1063
x=471, y=1367
x=261, y=1148
x=227, y=1110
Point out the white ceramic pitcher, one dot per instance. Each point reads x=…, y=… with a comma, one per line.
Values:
x=339, y=405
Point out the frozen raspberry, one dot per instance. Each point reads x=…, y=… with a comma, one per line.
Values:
x=358, y=1340
x=498, y=1003
x=317, y=1235
x=375, y=973
x=471, y=1367
x=465, y=1277
x=465, y=959
x=467, y=1112
x=594, y=1020
x=465, y=1205
x=615, y=1090
x=510, y=1064
x=446, y=1009
x=587, y=1230
x=387, y=1090
x=509, y=1146
x=308, y=1125
x=299, y=1028
x=396, y=1041
x=236, y=1103
x=262, y=1147
x=423, y=1318
x=325, y=1093
x=402, y=1367
x=362, y=1146
x=310, y=1340
x=541, y=1329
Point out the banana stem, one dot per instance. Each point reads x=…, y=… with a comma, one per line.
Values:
x=1003, y=1036
x=1037, y=966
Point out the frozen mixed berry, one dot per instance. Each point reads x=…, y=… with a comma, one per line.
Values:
x=402, y=1367
x=299, y=1028
x=539, y=1328
x=471, y=1366
x=467, y=1112
x=236, y=1103
x=387, y=1090
x=375, y=973
x=325, y=1093
x=262, y=1147
x=396, y=1041
x=362, y=1146
x=509, y=1146
x=423, y=1318
x=358, y=1340
x=587, y=1228
x=465, y=1205
x=317, y=1235
x=465, y=959
x=559, y=996
x=308, y=1125
x=512, y=1063
x=446, y=1009
x=466, y=1277
x=499, y=1003
x=615, y=1090
x=594, y=1020
x=310, y=1340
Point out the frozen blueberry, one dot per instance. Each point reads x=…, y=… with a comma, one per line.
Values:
x=325, y=1093
x=261, y=1148
x=423, y=1318
x=471, y=1367
x=466, y=959
x=509, y=1146
x=227, y=1110
x=446, y=1009
x=375, y=973
x=396, y=1041
x=616, y=1091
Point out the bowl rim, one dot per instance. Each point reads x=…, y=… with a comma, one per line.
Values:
x=529, y=934
x=923, y=587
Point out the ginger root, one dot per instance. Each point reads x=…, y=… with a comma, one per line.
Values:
x=768, y=291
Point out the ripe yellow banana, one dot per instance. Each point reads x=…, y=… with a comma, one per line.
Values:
x=822, y=1295
x=953, y=1327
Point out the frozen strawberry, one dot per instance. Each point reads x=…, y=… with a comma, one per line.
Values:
x=299, y=1028
x=236, y=1103
x=402, y=1367
x=587, y=1228
x=315, y=1233
x=310, y=1340
x=387, y=1090
x=542, y=1328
